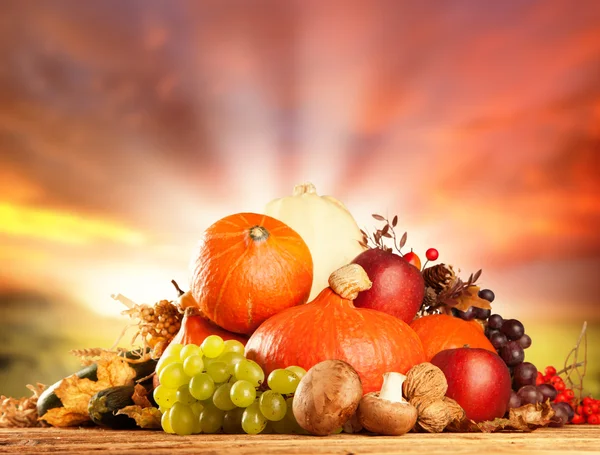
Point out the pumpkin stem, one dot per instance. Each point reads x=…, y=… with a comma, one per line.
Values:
x=349, y=280
x=304, y=188
x=258, y=233
x=177, y=288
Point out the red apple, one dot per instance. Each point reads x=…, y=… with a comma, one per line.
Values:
x=478, y=380
x=398, y=286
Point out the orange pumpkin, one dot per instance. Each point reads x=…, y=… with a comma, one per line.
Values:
x=439, y=332
x=331, y=327
x=248, y=268
x=195, y=328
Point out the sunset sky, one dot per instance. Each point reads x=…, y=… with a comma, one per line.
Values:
x=127, y=128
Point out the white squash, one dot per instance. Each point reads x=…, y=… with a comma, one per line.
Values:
x=326, y=226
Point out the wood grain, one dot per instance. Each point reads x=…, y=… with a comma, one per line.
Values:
x=570, y=440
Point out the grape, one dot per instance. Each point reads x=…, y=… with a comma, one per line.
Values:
x=482, y=313
x=512, y=353
x=173, y=376
x=184, y=396
x=193, y=365
x=212, y=346
x=250, y=371
x=197, y=407
x=242, y=394
x=487, y=294
x=525, y=341
x=524, y=374
x=283, y=381
x=467, y=315
x=211, y=418
x=513, y=329
x=165, y=423
x=298, y=371
x=218, y=371
x=561, y=415
x=283, y=426
x=232, y=421
x=514, y=401
x=231, y=359
x=253, y=422
x=208, y=361
x=202, y=387
x=489, y=332
x=164, y=396
x=182, y=419
x=189, y=350
x=548, y=391
x=567, y=409
x=272, y=405
x=498, y=339
x=529, y=394
x=222, y=398
x=175, y=349
x=233, y=346
x=166, y=360
x=495, y=321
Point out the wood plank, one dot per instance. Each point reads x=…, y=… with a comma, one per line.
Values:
x=568, y=440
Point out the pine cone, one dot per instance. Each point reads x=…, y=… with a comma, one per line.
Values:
x=430, y=304
x=439, y=277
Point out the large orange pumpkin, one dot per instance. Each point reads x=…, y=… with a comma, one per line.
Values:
x=439, y=332
x=248, y=268
x=331, y=327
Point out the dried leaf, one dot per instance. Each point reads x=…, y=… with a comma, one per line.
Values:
x=526, y=418
x=477, y=275
x=470, y=298
x=378, y=217
x=148, y=418
x=363, y=244
x=403, y=239
x=385, y=229
x=75, y=392
x=364, y=234
x=140, y=396
x=387, y=235
x=63, y=417
x=114, y=371
x=395, y=221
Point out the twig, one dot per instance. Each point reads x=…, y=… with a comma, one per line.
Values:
x=569, y=368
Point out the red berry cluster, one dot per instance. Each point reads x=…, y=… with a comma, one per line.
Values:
x=588, y=411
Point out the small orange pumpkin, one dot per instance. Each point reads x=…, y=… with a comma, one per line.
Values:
x=331, y=327
x=440, y=331
x=248, y=268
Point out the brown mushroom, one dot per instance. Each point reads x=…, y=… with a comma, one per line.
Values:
x=327, y=397
x=386, y=412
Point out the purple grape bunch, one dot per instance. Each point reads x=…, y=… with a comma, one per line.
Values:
x=510, y=341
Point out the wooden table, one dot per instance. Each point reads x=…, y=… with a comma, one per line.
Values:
x=569, y=440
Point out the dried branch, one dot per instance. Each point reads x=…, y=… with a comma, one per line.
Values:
x=376, y=240
x=573, y=366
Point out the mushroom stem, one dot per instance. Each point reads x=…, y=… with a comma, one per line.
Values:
x=391, y=389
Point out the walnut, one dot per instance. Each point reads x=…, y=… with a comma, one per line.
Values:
x=434, y=417
x=425, y=388
x=426, y=382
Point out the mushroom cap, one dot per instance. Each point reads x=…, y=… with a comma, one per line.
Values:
x=326, y=397
x=386, y=417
